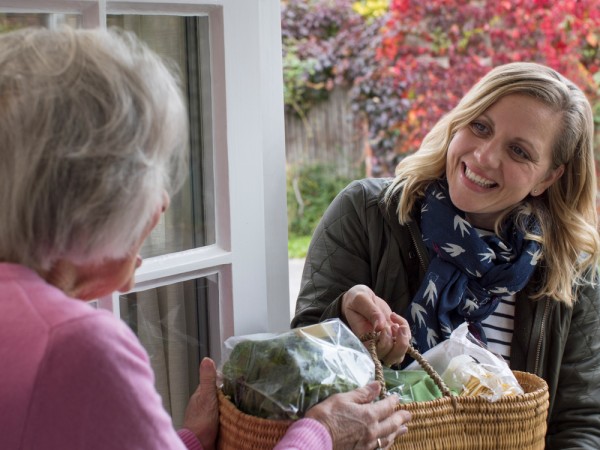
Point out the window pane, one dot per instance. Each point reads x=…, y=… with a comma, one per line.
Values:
x=189, y=222
x=173, y=326
x=14, y=21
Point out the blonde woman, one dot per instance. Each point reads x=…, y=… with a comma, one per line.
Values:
x=491, y=222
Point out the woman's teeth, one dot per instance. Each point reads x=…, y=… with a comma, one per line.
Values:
x=477, y=179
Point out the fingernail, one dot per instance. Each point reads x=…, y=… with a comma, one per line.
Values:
x=206, y=361
x=374, y=387
x=404, y=331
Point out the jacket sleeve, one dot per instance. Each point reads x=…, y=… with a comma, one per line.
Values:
x=575, y=420
x=337, y=259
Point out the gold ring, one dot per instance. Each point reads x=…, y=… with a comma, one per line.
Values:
x=379, y=444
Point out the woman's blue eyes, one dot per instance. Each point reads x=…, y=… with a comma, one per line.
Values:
x=519, y=152
x=478, y=127
x=482, y=129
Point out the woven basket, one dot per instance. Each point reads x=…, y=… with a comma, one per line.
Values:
x=450, y=422
x=517, y=422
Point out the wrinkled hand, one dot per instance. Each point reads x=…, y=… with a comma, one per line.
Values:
x=354, y=421
x=202, y=412
x=365, y=312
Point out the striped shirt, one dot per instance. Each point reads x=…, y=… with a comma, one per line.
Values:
x=498, y=326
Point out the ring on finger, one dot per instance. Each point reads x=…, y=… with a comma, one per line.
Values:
x=379, y=444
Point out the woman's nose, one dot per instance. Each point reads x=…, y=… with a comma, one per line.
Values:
x=489, y=154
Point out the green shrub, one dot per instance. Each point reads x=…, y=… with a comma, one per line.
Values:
x=310, y=189
x=298, y=246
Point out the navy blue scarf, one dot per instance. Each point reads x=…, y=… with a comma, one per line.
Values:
x=468, y=274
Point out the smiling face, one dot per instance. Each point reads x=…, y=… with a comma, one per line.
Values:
x=501, y=157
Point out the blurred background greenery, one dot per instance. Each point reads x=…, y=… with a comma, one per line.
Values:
x=310, y=189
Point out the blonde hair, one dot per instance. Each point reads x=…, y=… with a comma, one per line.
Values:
x=566, y=211
x=93, y=130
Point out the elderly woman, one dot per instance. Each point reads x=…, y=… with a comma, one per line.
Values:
x=491, y=222
x=92, y=143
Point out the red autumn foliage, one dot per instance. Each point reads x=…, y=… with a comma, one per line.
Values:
x=409, y=67
x=440, y=48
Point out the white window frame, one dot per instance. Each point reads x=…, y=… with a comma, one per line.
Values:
x=250, y=253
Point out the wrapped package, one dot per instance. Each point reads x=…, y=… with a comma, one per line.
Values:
x=471, y=378
x=469, y=368
x=280, y=376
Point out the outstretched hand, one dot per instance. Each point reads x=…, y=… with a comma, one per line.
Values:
x=354, y=421
x=202, y=412
x=364, y=312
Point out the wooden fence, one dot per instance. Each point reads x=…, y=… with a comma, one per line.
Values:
x=329, y=134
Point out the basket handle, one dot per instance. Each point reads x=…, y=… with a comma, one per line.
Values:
x=371, y=338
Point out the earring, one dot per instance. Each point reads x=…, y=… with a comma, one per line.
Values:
x=534, y=191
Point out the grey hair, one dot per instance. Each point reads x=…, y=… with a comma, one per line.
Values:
x=93, y=131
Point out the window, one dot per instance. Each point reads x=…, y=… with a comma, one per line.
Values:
x=217, y=263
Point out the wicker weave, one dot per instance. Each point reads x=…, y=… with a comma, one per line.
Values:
x=517, y=422
x=511, y=423
x=240, y=431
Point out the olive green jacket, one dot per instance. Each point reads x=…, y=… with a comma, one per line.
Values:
x=360, y=241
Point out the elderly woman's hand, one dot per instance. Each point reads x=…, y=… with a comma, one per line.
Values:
x=202, y=412
x=365, y=312
x=355, y=422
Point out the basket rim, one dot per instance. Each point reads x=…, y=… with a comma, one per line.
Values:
x=225, y=402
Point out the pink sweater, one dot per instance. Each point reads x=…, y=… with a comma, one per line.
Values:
x=72, y=377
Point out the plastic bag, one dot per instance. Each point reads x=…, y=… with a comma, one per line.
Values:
x=280, y=376
x=410, y=385
x=469, y=368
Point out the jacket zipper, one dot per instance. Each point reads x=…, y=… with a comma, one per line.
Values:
x=418, y=250
x=538, y=351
